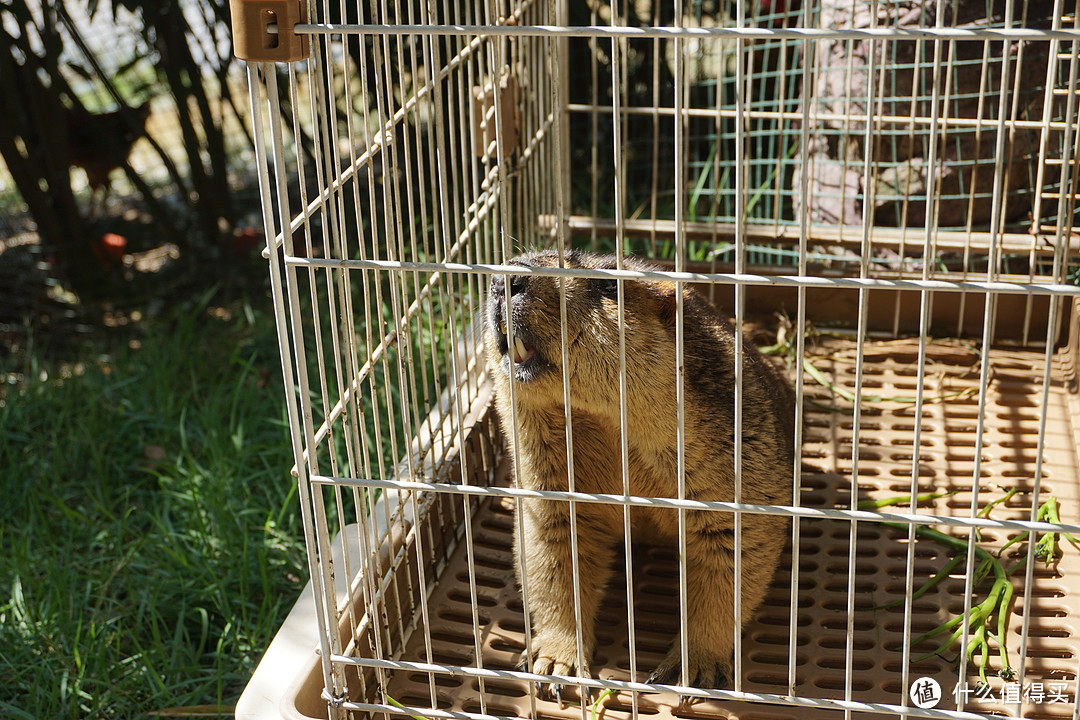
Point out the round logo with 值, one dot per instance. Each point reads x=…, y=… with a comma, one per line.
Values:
x=925, y=692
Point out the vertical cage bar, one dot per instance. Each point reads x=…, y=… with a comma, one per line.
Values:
x=323, y=609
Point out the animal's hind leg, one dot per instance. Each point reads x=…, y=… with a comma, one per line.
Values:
x=710, y=611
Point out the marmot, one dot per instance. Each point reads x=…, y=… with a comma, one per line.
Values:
x=709, y=391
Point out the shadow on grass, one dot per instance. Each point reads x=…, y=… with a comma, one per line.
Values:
x=149, y=528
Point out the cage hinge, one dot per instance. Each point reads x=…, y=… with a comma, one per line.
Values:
x=264, y=30
x=484, y=125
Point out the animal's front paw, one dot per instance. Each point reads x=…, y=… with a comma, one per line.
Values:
x=552, y=656
x=704, y=669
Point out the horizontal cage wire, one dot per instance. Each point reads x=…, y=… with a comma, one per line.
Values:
x=593, y=314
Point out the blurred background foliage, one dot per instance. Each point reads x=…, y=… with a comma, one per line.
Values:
x=126, y=162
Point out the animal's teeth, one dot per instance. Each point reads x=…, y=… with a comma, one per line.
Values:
x=502, y=328
x=519, y=350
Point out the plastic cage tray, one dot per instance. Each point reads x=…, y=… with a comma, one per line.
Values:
x=947, y=445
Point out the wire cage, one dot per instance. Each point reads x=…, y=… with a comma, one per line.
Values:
x=881, y=196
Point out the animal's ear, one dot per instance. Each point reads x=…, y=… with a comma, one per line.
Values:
x=665, y=301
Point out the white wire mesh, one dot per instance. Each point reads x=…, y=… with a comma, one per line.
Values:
x=897, y=178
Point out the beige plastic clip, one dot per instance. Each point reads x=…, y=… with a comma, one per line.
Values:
x=263, y=30
x=484, y=115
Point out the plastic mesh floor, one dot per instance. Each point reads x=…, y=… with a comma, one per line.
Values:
x=946, y=463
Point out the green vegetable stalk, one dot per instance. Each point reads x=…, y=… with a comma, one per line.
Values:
x=979, y=623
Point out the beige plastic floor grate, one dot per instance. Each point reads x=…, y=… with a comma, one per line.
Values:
x=947, y=446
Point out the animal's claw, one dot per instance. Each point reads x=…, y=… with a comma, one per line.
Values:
x=544, y=665
x=704, y=673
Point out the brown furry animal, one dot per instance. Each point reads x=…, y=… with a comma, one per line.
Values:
x=100, y=143
x=593, y=348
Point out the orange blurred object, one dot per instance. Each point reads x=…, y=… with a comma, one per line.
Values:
x=245, y=240
x=110, y=249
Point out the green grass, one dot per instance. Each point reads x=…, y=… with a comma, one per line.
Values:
x=149, y=532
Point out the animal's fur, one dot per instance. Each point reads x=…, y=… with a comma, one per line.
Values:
x=593, y=362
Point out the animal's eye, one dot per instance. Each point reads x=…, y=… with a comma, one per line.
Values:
x=606, y=287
